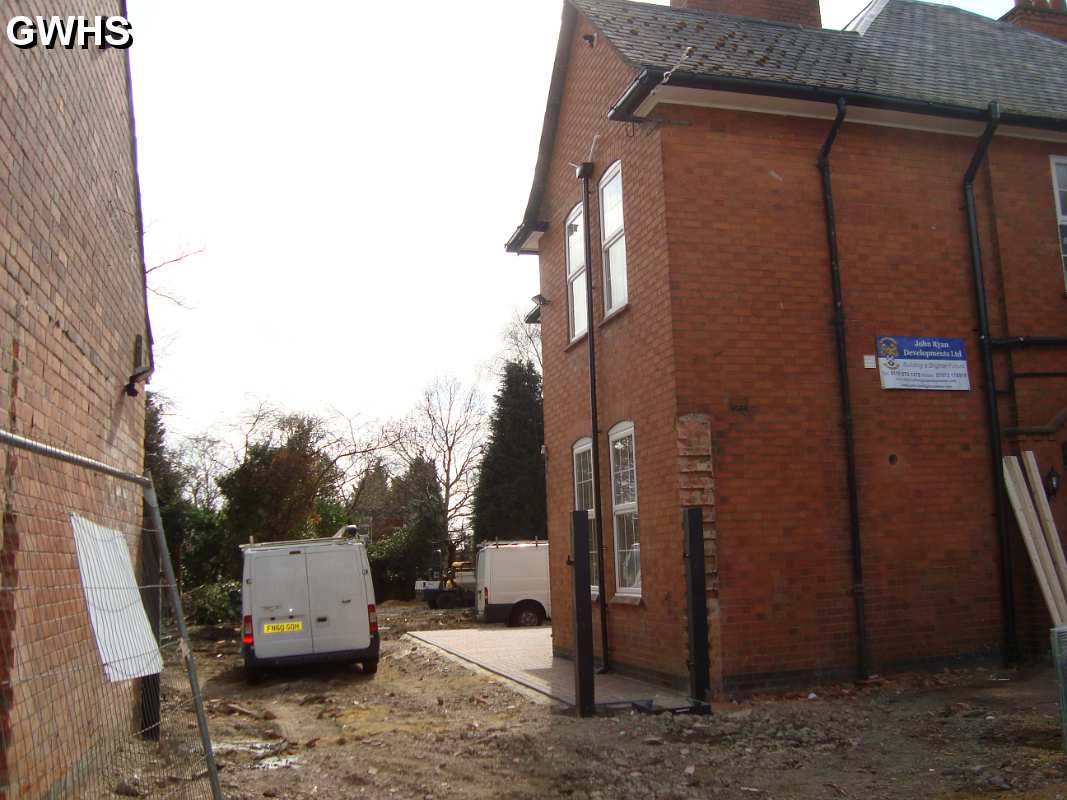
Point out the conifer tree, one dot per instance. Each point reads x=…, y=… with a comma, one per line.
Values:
x=509, y=500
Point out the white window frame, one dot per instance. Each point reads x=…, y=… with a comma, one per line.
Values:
x=1061, y=211
x=586, y=446
x=624, y=430
x=574, y=273
x=609, y=239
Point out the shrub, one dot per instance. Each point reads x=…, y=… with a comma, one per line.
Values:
x=214, y=603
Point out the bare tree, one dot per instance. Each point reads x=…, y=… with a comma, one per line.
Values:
x=447, y=429
x=153, y=286
x=202, y=462
x=349, y=448
x=522, y=341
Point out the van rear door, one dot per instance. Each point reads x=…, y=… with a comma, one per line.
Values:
x=338, y=599
x=481, y=571
x=280, y=604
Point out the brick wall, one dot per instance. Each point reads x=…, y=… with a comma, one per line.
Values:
x=752, y=316
x=1049, y=22
x=635, y=365
x=71, y=305
x=1023, y=249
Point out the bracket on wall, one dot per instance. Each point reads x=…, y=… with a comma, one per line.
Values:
x=140, y=373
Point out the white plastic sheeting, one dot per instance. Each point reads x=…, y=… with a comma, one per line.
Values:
x=127, y=646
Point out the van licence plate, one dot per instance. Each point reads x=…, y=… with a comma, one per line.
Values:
x=283, y=627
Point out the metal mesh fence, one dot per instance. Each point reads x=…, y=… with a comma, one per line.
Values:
x=95, y=693
x=1059, y=656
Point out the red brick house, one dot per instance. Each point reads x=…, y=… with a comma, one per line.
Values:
x=741, y=290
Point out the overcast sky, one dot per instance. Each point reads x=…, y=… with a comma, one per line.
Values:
x=351, y=171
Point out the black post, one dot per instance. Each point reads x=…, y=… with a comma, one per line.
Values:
x=584, y=698
x=696, y=595
x=151, y=598
x=585, y=172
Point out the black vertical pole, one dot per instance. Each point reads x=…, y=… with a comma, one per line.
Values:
x=584, y=699
x=585, y=172
x=151, y=598
x=696, y=594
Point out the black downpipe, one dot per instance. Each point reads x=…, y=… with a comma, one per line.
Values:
x=858, y=595
x=986, y=344
x=585, y=172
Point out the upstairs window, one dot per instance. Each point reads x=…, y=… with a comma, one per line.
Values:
x=624, y=501
x=583, y=500
x=613, y=234
x=576, y=274
x=1059, y=184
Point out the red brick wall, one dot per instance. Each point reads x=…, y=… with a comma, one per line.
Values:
x=1048, y=22
x=754, y=350
x=1025, y=251
x=635, y=365
x=71, y=305
x=798, y=12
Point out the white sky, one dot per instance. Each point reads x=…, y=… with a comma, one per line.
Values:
x=352, y=174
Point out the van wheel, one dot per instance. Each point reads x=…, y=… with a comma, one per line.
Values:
x=527, y=615
x=370, y=667
x=253, y=674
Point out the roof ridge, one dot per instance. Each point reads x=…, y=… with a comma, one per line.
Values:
x=863, y=20
x=992, y=22
x=704, y=13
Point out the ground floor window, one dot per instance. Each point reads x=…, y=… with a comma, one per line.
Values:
x=624, y=506
x=583, y=500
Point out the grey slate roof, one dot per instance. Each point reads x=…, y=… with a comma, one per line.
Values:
x=912, y=50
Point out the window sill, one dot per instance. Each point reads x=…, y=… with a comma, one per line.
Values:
x=574, y=343
x=626, y=600
x=614, y=315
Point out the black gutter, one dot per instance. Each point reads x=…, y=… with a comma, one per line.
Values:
x=985, y=342
x=515, y=244
x=858, y=595
x=584, y=173
x=651, y=77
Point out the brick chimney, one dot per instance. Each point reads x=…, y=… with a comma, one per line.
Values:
x=797, y=12
x=1040, y=16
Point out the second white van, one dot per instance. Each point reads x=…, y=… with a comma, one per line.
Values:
x=512, y=583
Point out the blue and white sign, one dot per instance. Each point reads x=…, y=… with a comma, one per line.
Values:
x=923, y=362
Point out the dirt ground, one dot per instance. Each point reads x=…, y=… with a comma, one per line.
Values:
x=426, y=727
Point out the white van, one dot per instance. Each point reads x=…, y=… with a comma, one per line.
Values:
x=307, y=601
x=513, y=583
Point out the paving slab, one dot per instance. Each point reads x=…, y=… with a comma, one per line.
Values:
x=524, y=655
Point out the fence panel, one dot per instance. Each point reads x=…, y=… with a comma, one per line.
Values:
x=95, y=696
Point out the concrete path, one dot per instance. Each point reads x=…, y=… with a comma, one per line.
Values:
x=524, y=655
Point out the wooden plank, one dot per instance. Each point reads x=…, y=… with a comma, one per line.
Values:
x=1044, y=513
x=1040, y=544
x=1039, y=557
